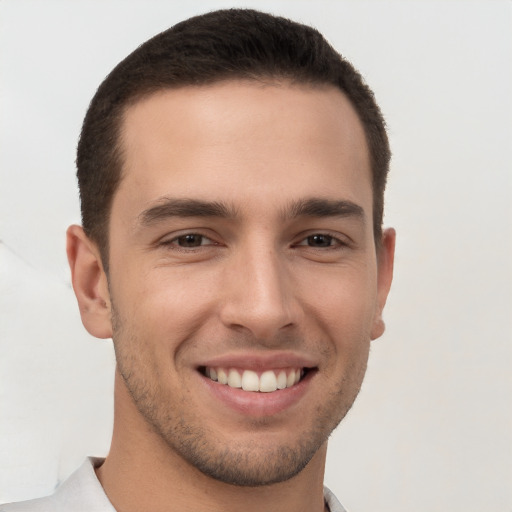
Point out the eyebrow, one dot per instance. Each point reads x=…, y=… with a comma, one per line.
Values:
x=169, y=207
x=320, y=207
x=311, y=207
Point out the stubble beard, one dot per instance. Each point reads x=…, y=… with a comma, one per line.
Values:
x=233, y=462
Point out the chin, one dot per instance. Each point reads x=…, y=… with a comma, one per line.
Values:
x=248, y=464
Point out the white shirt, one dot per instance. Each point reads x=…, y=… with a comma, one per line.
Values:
x=82, y=492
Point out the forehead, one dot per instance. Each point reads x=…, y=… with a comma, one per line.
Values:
x=243, y=140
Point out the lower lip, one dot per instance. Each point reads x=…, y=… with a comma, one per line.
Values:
x=258, y=404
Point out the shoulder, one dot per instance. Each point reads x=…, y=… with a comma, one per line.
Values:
x=45, y=504
x=332, y=502
x=81, y=492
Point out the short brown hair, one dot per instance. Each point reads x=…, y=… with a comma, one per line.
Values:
x=205, y=49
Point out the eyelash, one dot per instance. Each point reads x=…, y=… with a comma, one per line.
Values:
x=174, y=242
x=334, y=242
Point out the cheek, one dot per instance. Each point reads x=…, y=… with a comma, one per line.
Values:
x=162, y=308
x=344, y=305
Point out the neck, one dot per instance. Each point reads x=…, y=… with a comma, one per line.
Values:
x=142, y=472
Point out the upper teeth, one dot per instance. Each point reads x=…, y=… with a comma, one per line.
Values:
x=249, y=380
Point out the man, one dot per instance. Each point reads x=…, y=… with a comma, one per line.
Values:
x=231, y=172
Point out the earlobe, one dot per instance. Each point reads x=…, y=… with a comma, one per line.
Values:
x=89, y=282
x=385, y=262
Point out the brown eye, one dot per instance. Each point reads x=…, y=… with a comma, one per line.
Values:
x=190, y=240
x=319, y=241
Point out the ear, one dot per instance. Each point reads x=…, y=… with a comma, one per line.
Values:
x=89, y=282
x=385, y=261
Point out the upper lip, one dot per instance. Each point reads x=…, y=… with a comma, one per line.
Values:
x=259, y=361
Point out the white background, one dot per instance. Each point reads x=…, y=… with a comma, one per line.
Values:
x=432, y=428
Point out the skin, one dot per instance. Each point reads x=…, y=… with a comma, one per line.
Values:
x=268, y=281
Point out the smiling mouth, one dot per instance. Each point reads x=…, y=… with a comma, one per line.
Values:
x=267, y=381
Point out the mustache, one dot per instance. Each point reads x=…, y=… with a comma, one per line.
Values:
x=292, y=341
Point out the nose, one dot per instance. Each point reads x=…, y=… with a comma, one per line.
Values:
x=259, y=295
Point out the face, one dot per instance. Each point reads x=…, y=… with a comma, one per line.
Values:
x=244, y=281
